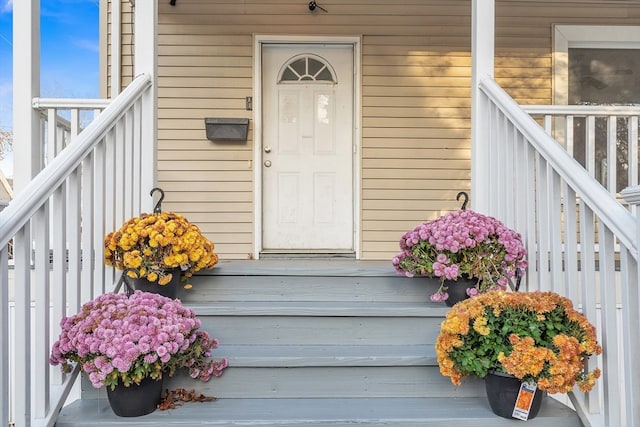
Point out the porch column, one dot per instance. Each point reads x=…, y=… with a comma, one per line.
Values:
x=482, y=57
x=145, y=61
x=27, y=160
x=27, y=148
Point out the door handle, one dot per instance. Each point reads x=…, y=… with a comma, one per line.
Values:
x=267, y=149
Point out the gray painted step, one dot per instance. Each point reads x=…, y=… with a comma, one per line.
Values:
x=318, y=342
x=405, y=412
x=309, y=280
x=297, y=356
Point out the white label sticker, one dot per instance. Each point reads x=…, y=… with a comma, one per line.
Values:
x=524, y=401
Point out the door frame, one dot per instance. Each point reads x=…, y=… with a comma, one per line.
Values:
x=258, y=42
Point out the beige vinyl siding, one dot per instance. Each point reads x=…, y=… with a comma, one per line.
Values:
x=126, y=46
x=204, y=72
x=415, y=115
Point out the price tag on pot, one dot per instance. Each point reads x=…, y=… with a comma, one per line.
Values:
x=524, y=400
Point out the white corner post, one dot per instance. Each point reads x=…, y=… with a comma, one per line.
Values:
x=482, y=60
x=28, y=161
x=630, y=322
x=27, y=150
x=145, y=61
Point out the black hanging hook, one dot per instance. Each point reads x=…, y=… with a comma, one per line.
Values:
x=313, y=5
x=158, y=206
x=172, y=2
x=123, y=281
x=465, y=196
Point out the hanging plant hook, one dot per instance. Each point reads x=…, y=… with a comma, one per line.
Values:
x=464, y=196
x=123, y=281
x=158, y=206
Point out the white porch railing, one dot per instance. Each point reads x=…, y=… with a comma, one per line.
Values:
x=582, y=243
x=604, y=139
x=63, y=119
x=58, y=223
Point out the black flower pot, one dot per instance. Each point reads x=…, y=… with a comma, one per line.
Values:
x=137, y=399
x=502, y=393
x=169, y=290
x=457, y=290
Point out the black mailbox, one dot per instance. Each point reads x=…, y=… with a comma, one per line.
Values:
x=226, y=129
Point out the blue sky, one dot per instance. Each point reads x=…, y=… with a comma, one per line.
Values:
x=69, y=54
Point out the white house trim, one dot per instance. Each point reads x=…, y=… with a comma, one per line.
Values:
x=116, y=48
x=258, y=42
x=585, y=36
x=145, y=61
x=482, y=60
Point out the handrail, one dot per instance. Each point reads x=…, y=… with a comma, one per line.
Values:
x=584, y=110
x=57, y=223
x=603, y=137
x=69, y=103
x=582, y=243
x=20, y=210
x=621, y=222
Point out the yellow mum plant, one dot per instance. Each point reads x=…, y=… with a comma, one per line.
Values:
x=534, y=336
x=155, y=243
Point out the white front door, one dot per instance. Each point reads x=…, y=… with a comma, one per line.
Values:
x=307, y=148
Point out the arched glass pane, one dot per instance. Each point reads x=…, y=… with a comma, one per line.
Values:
x=307, y=68
x=300, y=66
x=325, y=75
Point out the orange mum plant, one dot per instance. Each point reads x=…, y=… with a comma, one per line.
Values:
x=534, y=336
x=155, y=243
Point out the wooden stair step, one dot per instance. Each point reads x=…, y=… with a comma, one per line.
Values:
x=319, y=309
x=372, y=412
x=290, y=356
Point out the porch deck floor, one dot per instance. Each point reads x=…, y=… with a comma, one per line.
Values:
x=425, y=412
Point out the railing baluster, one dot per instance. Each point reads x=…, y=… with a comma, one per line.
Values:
x=533, y=274
x=555, y=218
x=59, y=266
x=571, y=268
x=41, y=301
x=87, y=250
x=22, y=326
x=99, y=228
x=608, y=296
x=5, y=392
x=53, y=135
x=612, y=153
x=590, y=146
x=76, y=296
x=75, y=123
x=569, y=137
x=542, y=236
x=588, y=280
x=634, y=167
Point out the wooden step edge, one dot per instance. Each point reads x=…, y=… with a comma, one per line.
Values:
x=389, y=411
x=320, y=309
x=302, y=267
x=290, y=356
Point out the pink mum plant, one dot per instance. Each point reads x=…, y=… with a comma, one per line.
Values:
x=465, y=244
x=119, y=338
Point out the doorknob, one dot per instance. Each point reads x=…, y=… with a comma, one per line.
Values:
x=267, y=149
x=267, y=163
